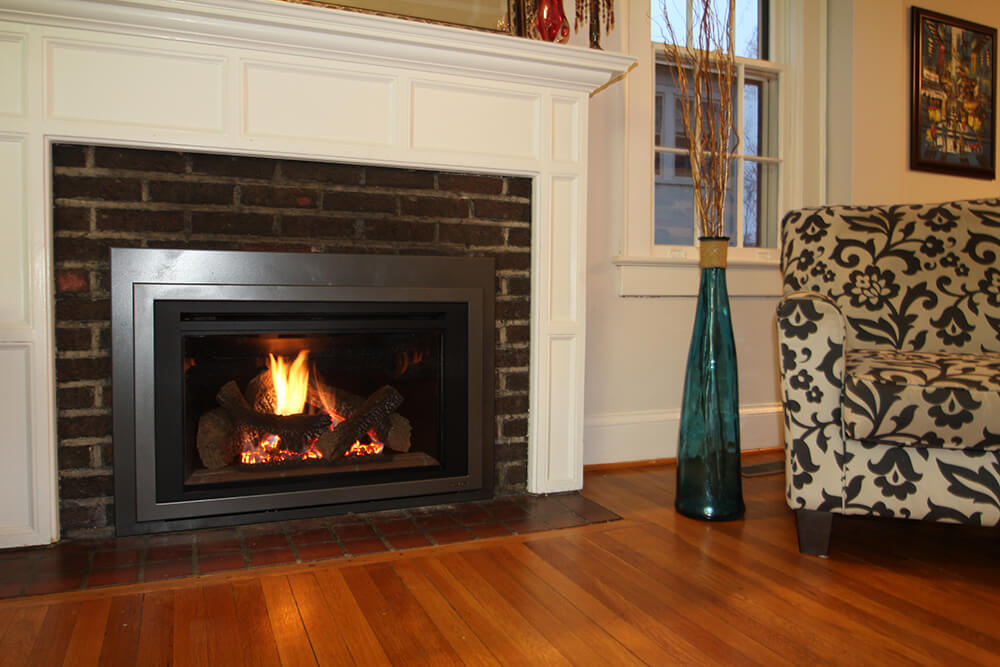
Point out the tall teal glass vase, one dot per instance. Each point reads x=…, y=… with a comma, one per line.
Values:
x=709, y=486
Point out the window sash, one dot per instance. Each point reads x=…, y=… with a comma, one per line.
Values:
x=768, y=150
x=675, y=8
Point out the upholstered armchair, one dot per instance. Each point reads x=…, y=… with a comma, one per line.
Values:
x=889, y=336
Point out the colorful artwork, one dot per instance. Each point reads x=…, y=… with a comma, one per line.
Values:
x=954, y=96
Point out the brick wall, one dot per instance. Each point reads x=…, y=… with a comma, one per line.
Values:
x=113, y=197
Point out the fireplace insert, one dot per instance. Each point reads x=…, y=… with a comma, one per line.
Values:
x=253, y=386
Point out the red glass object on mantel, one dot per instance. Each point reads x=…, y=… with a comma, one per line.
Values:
x=549, y=22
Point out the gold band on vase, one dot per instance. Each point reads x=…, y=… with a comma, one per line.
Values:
x=713, y=252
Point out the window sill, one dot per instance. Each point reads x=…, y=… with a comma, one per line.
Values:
x=677, y=276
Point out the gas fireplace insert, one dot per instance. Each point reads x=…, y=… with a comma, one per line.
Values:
x=253, y=386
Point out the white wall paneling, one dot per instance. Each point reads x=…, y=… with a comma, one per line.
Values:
x=17, y=511
x=565, y=417
x=257, y=77
x=490, y=121
x=565, y=130
x=564, y=264
x=12, y=62
x=320, y=104
x=137, y=85
x=14, y=261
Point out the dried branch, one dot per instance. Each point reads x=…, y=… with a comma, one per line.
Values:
x=705, y=73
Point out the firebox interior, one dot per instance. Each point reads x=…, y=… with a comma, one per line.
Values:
x=418, y=349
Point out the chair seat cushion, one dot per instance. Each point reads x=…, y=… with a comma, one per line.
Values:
x=928, y=399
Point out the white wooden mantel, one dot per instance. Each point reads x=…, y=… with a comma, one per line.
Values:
x=270, y=78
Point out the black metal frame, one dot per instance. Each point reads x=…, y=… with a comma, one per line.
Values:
x=143, y=277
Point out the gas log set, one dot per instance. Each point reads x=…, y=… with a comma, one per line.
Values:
x=289, y=417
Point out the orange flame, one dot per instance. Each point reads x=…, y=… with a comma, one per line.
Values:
x=291, y=383
x=405, y=360
x=360, y=449
x=291, y=389
x=267, y=450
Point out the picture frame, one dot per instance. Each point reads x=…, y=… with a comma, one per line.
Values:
x=505, y=16
x=953, y=108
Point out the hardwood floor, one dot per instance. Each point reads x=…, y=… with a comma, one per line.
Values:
x=654, y=588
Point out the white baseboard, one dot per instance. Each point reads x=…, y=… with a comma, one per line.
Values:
x=643, y=435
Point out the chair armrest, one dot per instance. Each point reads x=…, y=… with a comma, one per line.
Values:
x=811, y=335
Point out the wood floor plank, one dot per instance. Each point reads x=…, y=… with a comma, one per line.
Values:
x=156, y=637
x=289, y=633
x=730, y=596
x=321, y=624
x=712, y=605
x=7, y=614
x=853, y=582
x=558, y=622
x=617, y=625
x=20, y=636
x=54, y=635
x=935, y=595
x=190, y=628
x=225, y=646
x=869, y=615
x=482, y=621
x=85, y=641
x=121, y=633
x=404, y=629
x=255, y=624
x=509, y=617
x=358, y=634
x=610, y=490
x=673, y=632
x=460, y=636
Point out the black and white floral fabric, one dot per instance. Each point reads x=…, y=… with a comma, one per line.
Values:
x=890, y=351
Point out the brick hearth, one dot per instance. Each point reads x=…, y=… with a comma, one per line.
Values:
x=116, y=197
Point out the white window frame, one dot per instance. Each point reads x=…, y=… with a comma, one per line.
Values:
x=648, y=269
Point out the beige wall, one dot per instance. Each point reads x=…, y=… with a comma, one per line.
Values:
x=637, y=347
x=881, y=105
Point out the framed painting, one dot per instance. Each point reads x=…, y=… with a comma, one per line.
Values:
x=953, y=110
x=492, y=15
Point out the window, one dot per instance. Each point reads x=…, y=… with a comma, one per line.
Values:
x=781, y=161
x=751, y=207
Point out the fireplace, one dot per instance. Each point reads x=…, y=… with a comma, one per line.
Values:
x=270, y=79
x=274, y=385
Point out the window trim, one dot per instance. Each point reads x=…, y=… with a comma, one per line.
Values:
x=645, y=269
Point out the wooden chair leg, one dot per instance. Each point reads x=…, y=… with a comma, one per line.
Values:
x=814, y=531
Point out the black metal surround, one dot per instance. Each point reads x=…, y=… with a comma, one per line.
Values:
x=291, y=287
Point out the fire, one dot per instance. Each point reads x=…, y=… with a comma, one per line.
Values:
x=269, y=451
x=406, y=360
x=361, y=449
x=291, y=390
x=291, y=383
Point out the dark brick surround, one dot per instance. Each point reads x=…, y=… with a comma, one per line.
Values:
x=114, y=197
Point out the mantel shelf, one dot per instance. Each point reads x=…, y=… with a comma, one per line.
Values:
x=332, y=33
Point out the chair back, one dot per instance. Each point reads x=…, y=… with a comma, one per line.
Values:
x=907, y=277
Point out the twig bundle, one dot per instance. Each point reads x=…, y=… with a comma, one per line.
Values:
x=705, y=73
